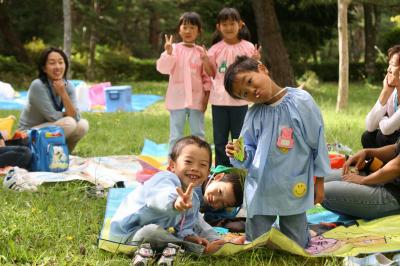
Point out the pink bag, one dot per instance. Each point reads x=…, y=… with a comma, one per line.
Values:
x=96, y=94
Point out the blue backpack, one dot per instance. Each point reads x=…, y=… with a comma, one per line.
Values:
x=49, y=149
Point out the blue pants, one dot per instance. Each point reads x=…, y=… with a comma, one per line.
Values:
x=15, y=156
x=359, y=201
x=226, y=119
x=293, y=226
x=177, y=124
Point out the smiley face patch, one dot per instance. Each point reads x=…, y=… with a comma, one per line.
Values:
x=299, y=189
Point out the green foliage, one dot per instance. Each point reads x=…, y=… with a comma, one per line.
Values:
x=328, y=71
x=390, y=38
x=145, y=69
x=19, y=75
x=309, y=80
x=34, y=48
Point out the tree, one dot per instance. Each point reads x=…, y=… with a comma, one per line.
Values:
x=371, y=24
x=67, y=30
x=270, y=37
x=343, y=89
x=10, y=35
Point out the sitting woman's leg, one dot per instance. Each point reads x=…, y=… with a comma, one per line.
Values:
x=368, y=139
x=360, y=201
x=82, y=127
x=383, y=140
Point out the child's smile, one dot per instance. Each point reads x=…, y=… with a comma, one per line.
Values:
x=192, y=165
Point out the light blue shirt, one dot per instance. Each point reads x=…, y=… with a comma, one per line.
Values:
x=279, y=182
x=152, y=203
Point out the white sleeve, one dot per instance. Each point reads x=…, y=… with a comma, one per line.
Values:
x=388, y=125
x=375, y=116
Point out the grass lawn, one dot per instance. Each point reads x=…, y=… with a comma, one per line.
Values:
x=59, y=224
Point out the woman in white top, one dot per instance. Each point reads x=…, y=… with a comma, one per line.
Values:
x=383, y=121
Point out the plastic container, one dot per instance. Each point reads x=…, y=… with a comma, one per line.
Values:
x=118, y=98
x=96, y=94
x=6, y=125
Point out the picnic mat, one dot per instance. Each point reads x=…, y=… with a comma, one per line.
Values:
x=103, y=171
x=139, y=101
x=380, y=235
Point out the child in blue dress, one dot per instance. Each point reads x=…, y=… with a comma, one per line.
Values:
x=284, y=148
x=159, y=214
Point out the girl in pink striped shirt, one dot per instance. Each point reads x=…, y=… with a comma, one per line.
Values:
x=189, y=86
x=230, y=40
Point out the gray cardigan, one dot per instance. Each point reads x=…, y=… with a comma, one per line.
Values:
x=39, y=108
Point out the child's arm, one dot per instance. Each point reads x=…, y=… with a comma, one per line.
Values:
x=257, y=52
x=167, y=60
x=184, y=200
x=319, y=190
x=208, y=66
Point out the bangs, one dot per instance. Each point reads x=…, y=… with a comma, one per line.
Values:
x=190, y=18
x=228, y=14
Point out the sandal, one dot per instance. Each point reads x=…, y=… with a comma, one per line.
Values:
x=168, y=255
x=143, y=256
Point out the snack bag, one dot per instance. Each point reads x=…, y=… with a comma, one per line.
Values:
x=239, y=145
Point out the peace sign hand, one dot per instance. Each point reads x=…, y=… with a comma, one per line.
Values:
x=168, y=44
x=184, y=200
x=257, y=52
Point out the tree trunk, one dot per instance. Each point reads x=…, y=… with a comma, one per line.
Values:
x=92, y=42
x=67, y=32
x=274, y=50
x=10, y=35
x=371, y=18
x=154, y=30
x=343, y=89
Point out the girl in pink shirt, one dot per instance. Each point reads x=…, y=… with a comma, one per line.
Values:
x=230, y=40
x=189, y=86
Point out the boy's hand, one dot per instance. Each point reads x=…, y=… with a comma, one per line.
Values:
x=197, y=240
x=257, y=52
x=319, y=190
x=214, y=246
x=184, y=200
x=168, y=44
x=230, y=149
x=238, y=240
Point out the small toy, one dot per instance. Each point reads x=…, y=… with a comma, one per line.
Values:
x=239, y=149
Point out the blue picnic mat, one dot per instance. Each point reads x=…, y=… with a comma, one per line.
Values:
x=139, y=102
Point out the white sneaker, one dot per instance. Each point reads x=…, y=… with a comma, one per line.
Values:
x=17, y=179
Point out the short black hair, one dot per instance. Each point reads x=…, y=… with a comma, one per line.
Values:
x=237, y=183
x=183, y=142
x=43, y=59
x=190, y=18
x=393, y=50
x=241, y=64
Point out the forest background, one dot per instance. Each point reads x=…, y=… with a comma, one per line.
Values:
x=113, y=40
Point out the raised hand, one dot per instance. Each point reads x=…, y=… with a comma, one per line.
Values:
x=257, y=52
x=184, y=200
x=168, y=44
x=59, y=87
